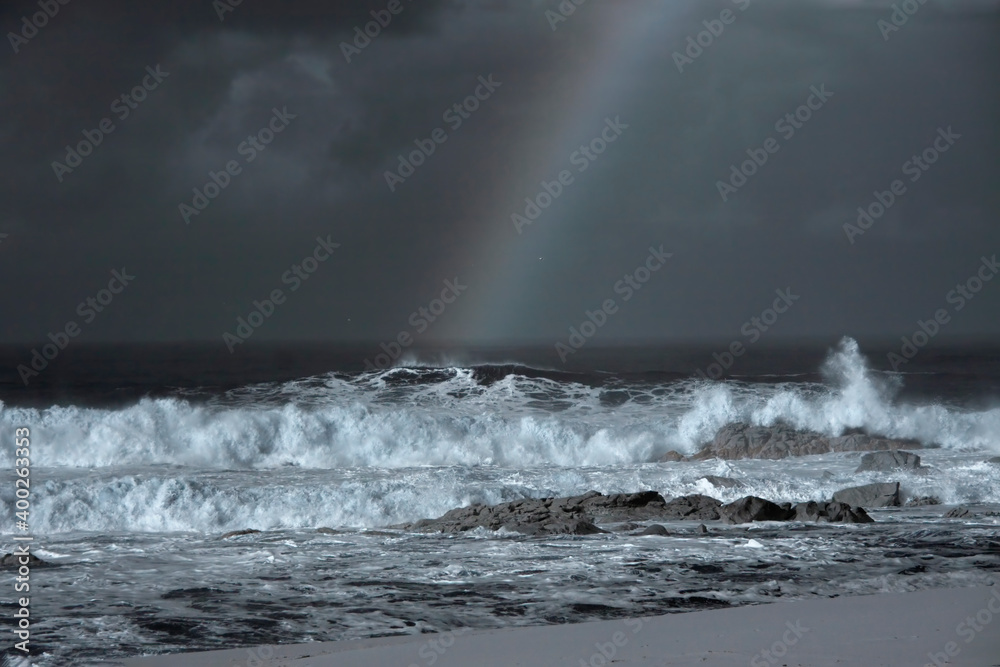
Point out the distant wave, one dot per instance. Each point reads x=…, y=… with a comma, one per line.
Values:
x=506, y=415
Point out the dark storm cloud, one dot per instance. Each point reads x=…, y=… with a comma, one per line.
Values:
x=324, y=173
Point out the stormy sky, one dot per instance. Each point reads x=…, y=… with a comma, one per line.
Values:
x=674, y=119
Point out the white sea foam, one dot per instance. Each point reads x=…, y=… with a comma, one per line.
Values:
x=411, y=417
x=167, y=499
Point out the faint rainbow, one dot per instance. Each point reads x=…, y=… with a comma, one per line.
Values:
x=507, y=261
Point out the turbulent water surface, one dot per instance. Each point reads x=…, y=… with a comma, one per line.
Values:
x=130, y=501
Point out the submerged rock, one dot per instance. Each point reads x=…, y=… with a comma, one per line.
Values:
x=922, y=501
x=744, y=441
x=655, y=529
x=672, y=457
x=870, y=495
x=889, y=460
x=237, y=533
x=959, y=513
x=14, y=561
x=723, y=482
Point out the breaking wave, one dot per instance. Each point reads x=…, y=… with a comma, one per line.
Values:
x=500, y=415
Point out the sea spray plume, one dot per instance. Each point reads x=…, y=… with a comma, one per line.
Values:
x=862, y=399
x=851, y=397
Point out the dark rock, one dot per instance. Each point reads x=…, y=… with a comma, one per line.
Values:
x=702, y=529
x=695, y=507
x=889, y=460
x=549, y=516
x=922, y=501
x=237, y=533
x=830, y=513
x=959, y=513
x=743, y=441
x=870, y=495
x=328, y=531
x=672, y=457
x=619, y=506
x=752, y=508
x=14, y=561
x=723, y=482
x=655, y=529
x=995, y=460
x=577, y=514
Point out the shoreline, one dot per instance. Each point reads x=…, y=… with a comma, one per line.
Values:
x=947, y=626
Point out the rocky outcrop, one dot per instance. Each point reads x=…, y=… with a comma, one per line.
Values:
x=751, y=508
x=580, y=515
x=870, y=495
x=889, y=460
x=833, y=512
x=695, y=507
x=959, y=513
x=575, y=515
x=672, y=457
x=743, y=441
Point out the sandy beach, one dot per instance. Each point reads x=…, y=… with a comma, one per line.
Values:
x=937, y=627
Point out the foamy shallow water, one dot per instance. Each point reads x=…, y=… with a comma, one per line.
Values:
x=155, y=575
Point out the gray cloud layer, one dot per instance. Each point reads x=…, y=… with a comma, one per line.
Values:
x=323, y=175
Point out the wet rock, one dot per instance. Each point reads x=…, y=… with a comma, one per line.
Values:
x=655, y=529
x=14, y=561
x=832, y=512
x=723, y=482
x=752, y=508
x=672, y=457
x=237, y=533
x=577, y=514
x=744, y=441
x=701, y=529
x=995, y=460
x=549, y=516
x=889, y=460
x=959, y=513
x=328, y=531
x=870, y=495
x=922, y=501
x=695, y=507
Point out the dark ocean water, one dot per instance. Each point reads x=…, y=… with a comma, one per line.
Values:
x=143, y=457
x=115, y=374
